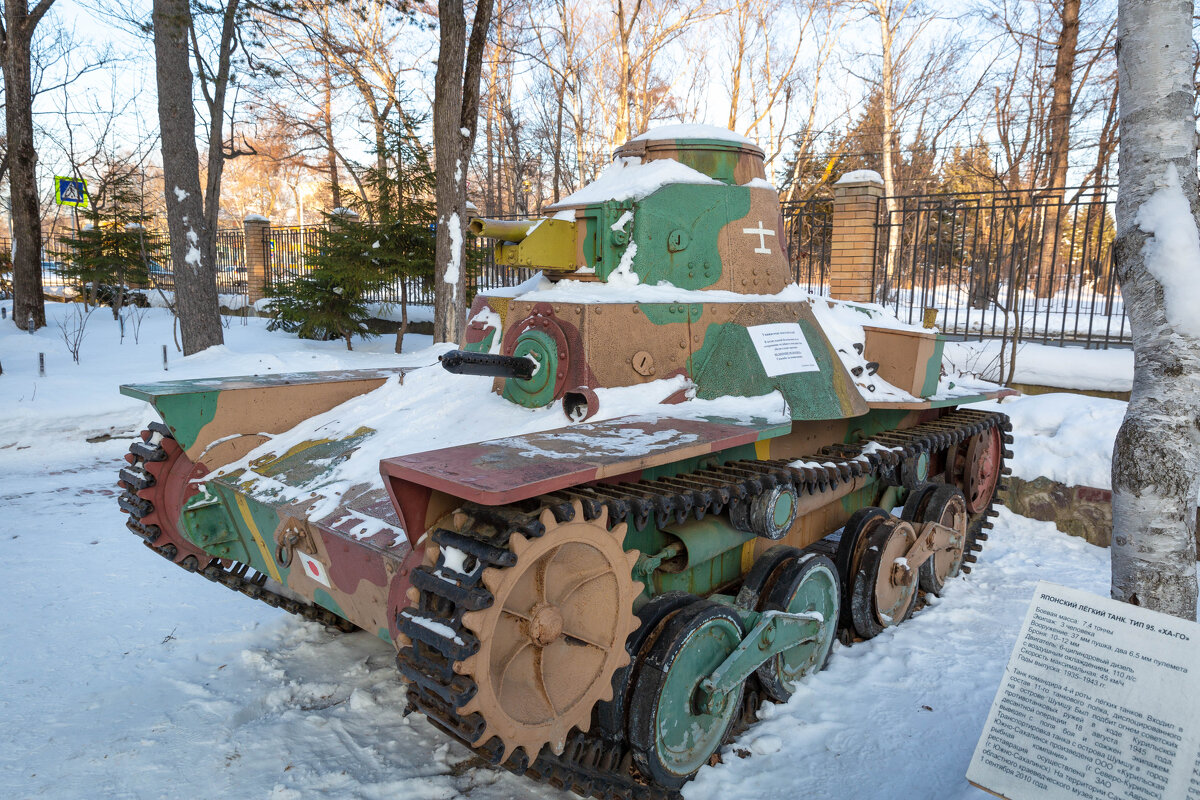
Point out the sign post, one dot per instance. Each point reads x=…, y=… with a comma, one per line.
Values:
x=1099, y=701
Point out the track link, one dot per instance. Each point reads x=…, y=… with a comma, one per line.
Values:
x=592, y=764
x=137, y=482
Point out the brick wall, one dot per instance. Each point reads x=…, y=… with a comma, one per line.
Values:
x=852, y=254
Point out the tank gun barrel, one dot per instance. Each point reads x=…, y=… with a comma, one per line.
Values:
x=506, y=230
x=461, y=362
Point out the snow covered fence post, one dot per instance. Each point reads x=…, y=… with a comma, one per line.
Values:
x=852, y=254
x=256, y=229
x=1156, y=459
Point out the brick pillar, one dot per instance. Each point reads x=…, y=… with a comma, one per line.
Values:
x=256, y=228
x=852, y=255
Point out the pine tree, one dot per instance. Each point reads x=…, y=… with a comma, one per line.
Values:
x=109, y=253
x=355, y=256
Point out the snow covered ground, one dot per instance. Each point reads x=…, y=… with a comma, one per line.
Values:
x=1047, y=365
x=1065, y=437
x=126, y=677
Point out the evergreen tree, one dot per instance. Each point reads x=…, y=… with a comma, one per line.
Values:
x=388, y=240
x=109, y=252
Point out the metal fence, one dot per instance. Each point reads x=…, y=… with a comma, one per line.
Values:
x=1034, y=264
x=290, y=251
x=156, y=248
x=808, y=226
x=1037, y=263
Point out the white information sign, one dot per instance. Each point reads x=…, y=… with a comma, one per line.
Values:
x=782, y=348
x=1100, y=700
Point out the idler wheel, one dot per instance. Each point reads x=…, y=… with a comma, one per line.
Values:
x=173, y=484
x=554, y=635
x=674, y=726
x=974, y=466
x=808, y=584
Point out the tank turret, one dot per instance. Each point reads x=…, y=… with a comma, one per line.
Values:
x=685, y=204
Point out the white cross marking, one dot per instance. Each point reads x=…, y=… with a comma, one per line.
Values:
x=763, y=233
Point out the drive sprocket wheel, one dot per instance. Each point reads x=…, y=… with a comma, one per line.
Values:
x=555, y=633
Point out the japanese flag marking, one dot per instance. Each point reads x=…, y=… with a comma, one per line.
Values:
x=314, y=569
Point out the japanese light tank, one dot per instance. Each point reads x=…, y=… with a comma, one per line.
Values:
x=592, y=592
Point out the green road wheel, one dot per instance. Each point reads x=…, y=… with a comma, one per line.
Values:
x=807, y=584
x=611, y=714
x=674, y=726
x=757, y=582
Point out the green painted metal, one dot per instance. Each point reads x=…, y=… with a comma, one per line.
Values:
x=303, y=463
x=775, y=632
x=893, y=497
x=187, y=414
x=782, y=510
x=819, y=592
x=727, y=363
x=933, y=368
x=696, y=213
x=705, y=539
x=874, y=422
x=713, y=157
x=686, y=735
x=326, y=601
x=484, y=345
x=671, y=313
x=538, y=391
x=922, y=467
x=206, y=522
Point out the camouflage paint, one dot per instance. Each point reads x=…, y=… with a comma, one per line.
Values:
x=187, y=414
x=672, y=313
x=933, y=369
x=657, y=220
x=728, y=364
x=724, y=237
x=542, y=388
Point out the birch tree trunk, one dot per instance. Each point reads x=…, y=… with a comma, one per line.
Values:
x=887, y=84
x=1156, y=461
x=455, y=113
x=192, y=262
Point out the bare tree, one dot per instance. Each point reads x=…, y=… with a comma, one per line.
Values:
x=193, y=239
x=455, y=114
x=1156, y=460
x=765, y=67
x=16, y=36
x=644, y=30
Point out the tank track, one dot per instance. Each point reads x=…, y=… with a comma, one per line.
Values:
x=231, y=574
x=593, y=764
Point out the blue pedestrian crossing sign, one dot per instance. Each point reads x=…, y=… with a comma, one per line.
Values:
x=70, y=191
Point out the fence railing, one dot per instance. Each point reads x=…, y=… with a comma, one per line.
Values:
x=1038, y=263
x=808, y=226
x=1035, y=264
x=231, y=262
x=289, y=252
